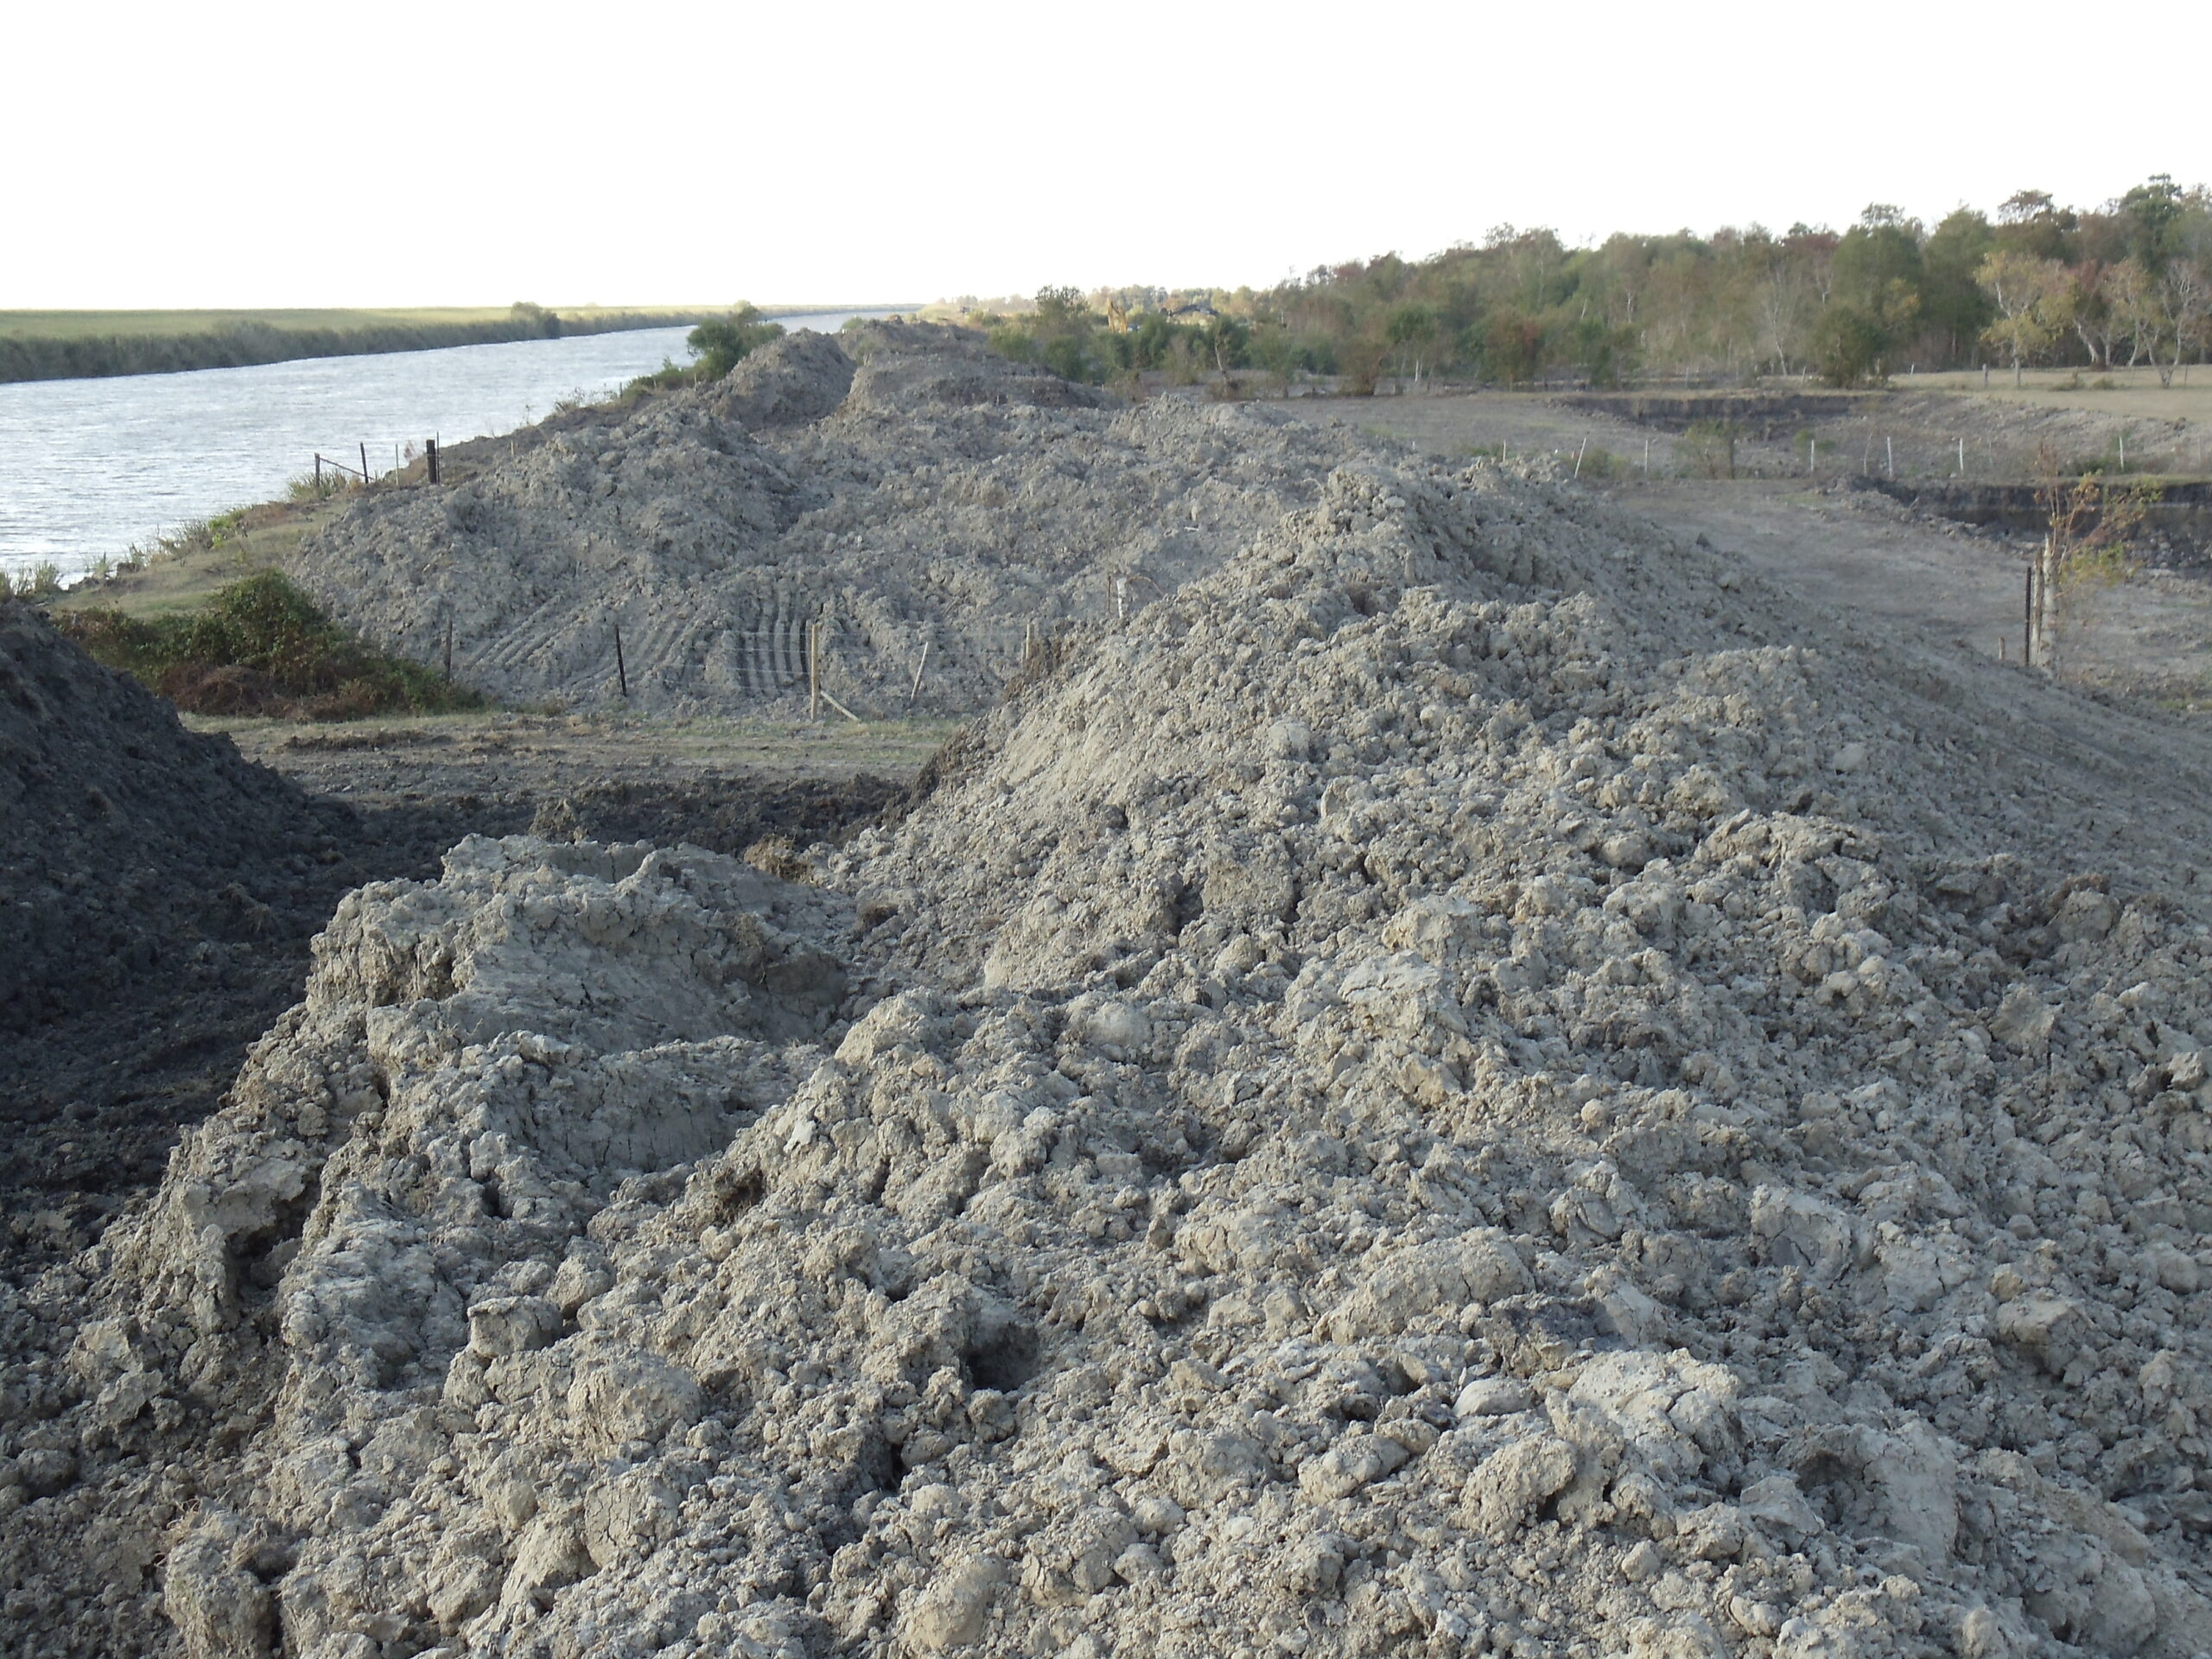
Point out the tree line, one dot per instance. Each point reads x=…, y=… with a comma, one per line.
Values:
x=2128, y=282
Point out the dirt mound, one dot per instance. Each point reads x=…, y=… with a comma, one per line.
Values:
x=788, y=382
x=1475, y=1082
x=953, y=509
x=911, y=367
x=128, y=837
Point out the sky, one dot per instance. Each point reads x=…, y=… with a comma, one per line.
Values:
x=251, y=155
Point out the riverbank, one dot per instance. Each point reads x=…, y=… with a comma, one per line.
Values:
x=90, y=345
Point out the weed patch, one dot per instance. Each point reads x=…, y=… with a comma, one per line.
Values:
x=262, y=646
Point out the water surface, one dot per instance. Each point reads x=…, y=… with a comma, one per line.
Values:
x=90, y=467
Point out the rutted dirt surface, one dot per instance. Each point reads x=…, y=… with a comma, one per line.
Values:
x=1483, y=1078
x=928, y=506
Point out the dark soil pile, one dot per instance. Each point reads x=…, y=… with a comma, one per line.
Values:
x=128, y=839
x=158, y=893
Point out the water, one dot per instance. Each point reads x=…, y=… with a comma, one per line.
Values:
x=90, y=467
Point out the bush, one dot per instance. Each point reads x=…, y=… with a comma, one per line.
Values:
x=669, y=376
x=262, y=646
x=1848, y=344
x=722, y=342
x=1710, y=447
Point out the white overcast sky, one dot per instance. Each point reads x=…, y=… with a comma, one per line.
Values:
x=228, y=154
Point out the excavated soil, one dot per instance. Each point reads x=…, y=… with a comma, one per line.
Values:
x=934, y=508
x=1479, y=1080
x=159, y=894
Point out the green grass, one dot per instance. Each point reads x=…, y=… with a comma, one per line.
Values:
x=261, y=647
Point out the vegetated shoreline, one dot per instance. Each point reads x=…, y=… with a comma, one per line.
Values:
x=35, y=346
x=98, y=344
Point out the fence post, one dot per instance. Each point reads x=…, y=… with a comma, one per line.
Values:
x=814, y=670
x=621, y=672
x=364, y=460
x=2028, y=622
x=431, y=450
x=918, y=670
x=449, y=647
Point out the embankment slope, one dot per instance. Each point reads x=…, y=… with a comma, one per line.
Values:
x=930, y=498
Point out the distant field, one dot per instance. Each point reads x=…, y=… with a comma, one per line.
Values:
x=100, y=325
x=2135, y=394
x=83, y=345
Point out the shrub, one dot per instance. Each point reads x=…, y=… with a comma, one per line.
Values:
x=1710, y=446
x=262, y=646
x=722, y=342
x=668, y=378
x=1848, y=344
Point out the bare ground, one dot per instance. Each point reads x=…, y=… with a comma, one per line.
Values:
x=1849, y=551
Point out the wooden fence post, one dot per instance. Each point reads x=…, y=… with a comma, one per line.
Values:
x=364, y=462
x=621, y=672
x=431, y=450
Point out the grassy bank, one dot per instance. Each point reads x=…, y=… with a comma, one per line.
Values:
x=74, y=345
x=261, y=647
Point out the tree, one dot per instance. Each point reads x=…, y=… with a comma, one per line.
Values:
x=1513, y=348
x=1848, y=344
x=1411, y=329
x=537, y=318
x=1784, y=297
x=1060, y=308
x=2151, y=209
x=1229, y=340
x=2184, y=300
x=2129, y=299
x=2088, y=525
x=2031, y=296
x=2089, y=309
x=1882, y=248
x=2024, y=206
x=1951, y=301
